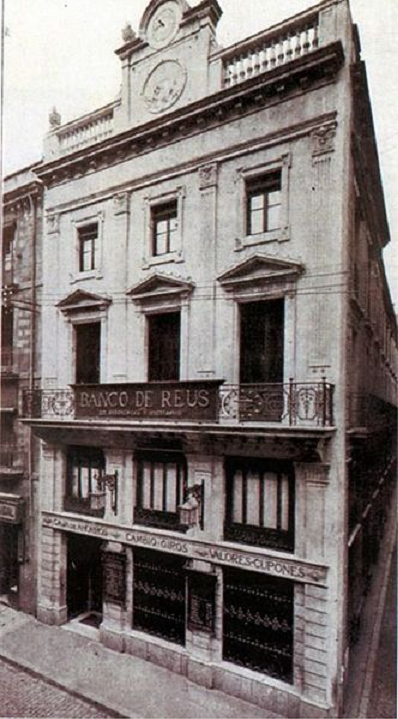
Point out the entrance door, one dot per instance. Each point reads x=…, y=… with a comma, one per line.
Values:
x=84, y=577
x=88, y=348
x=9, y=560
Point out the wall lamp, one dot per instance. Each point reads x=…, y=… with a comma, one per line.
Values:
x=98, y=497
x=191, y=511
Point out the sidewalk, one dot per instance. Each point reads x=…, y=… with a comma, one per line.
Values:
x=125, y=685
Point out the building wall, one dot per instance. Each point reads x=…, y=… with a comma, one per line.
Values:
x=304, y=132
x=21, y=361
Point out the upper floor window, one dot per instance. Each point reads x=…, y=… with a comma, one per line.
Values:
x=164, y=347
x=260, y=503
x=88, y=247
x=161, y=487
x=263, y=203
x=88, y=352
x=84, y=466
x=164, y=224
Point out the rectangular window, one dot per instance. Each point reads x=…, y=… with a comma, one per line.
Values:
x=88, y=247
x=164, y=347
x=263, y=203
x=88, y=349
x=7, y=337
x=161, y=486
x=164, y=228
x=260, y=507
x=84, y=465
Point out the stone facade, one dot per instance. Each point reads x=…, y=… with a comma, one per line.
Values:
x=196, y=406
x=20, y=370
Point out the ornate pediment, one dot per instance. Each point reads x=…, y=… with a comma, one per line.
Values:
x=80, y=301
x=259, y=270
x=159, y=287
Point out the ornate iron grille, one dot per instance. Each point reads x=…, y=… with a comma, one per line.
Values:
x=293, y=403
x=258, y=623
x=49, y=403
x=159, y=596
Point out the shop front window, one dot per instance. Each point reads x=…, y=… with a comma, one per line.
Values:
x=260, y=503
x=84, y=466
x=161, y=486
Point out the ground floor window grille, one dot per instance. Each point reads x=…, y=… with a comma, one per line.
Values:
x=258, y=623
x=159, y=596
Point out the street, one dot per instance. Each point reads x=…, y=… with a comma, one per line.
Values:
x=23, y=695
x=383, y=702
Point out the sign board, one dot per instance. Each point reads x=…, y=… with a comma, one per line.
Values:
x=114, y=577
x=201, y=601
x=219, y=554
x=11, y=510
x=157, y=400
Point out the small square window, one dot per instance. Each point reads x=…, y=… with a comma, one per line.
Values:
x=164, y=225
x=88, y=247
x=263, y=203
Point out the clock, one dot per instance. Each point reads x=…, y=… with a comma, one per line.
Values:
x=164, y=85
x=163, y=25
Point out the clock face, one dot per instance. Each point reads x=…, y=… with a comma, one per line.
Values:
x=164, y=85
x=163, y=24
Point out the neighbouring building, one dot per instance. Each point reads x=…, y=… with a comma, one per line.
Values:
x=20, y=370
x=219, y=357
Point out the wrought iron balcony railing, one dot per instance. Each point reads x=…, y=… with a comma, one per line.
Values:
x=291, y=404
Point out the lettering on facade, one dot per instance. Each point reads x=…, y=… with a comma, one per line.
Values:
x=295, y=570
x=182, y=400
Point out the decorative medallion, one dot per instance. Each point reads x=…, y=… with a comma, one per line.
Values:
x=164, y=85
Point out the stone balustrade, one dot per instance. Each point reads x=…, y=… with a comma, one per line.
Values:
x=269, y=50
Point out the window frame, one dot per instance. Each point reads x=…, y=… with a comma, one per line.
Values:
x=91, y=458
x=153, y=204
x=79, y=226
x=253, y=534
x=88, y=238
x=246, y=176
x=150, y=516
x=166, y=212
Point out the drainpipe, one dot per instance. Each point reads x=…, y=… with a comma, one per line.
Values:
x=32, y=357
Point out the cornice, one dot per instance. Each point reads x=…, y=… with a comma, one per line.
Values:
x=283, y=135
x=316, y=67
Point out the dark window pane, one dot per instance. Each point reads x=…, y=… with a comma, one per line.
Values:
x=88, y=353
x=261, y=342
x=164, y=347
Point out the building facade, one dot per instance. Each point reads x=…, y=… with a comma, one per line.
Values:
x=216, y=304
x=20, y=371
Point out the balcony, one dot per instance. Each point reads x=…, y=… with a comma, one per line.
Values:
x=270, y=49
x=294, y=404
